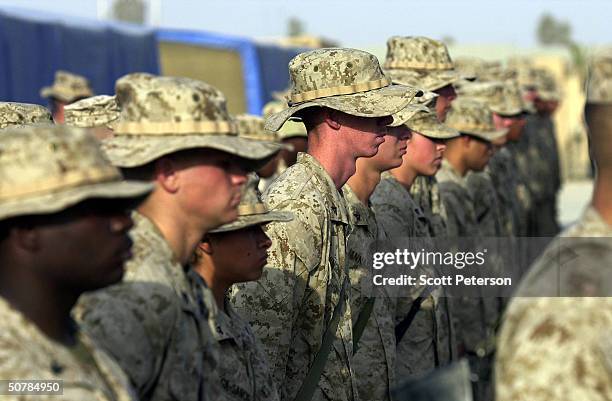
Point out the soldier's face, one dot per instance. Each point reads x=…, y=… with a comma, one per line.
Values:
x=209, y=185
x=363, y=135
x=391, y=152
x=478, y=153
x=424, y=155
x=239, y=255
x=446, y=95
x=516, y=129
x=85, y=247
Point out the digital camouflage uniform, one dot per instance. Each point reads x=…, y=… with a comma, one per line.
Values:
x=66, y=166
x=159, y=302
x=475, y=317
x=555, y=339
x=293, y=303
x=91, y=112
x=67, y=87
x=86, y=371
x=424, y=63
x=374, y=362
x=17, y=114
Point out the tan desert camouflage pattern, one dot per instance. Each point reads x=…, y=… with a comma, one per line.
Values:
x=559, y=348
x=599, y=83
x=67, y=87
x=546, y=85
x=426, y=193
x=495, y=95
x=28, y=354
x=374, y=362
x=16, y=114
x=472, y=116
x=97, y=111
x=342, y=68
x=291, y=128
x=175, y=354
x=425, y=122
x=477, y=68
x=252, y=127
x=174, y=105
x=48, y=168
x=419, y=61
x=429, y=341
x=243, y=367
x=291, y=305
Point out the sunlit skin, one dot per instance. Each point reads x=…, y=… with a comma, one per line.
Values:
x=48, y=261
x=390, y=153
x=195, y=191
x=57, y=108
x=338, y=139
x=468, y=153
x=598, y=118
x=221, y=263
x=445, y=98
x=423, y=157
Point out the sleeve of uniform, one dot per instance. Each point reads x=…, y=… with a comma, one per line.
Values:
x=272, y=303
x=132, y=322
x=454, y=209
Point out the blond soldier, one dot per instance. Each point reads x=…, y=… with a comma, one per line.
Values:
x=425, y=63
x=252, y=127
x=426, y=341
x=473, y=316
x=373, y=311
x=559, y=348
x=97, y=112
x=64, y=217
x=177, y=133
x=292, y=133
x=300, y=307
x=243, y=369
x=66, y=88
x=16, y=114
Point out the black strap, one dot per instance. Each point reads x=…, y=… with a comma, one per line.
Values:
x=362, y=321
x=402, y=327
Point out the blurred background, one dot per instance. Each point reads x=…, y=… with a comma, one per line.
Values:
x=243, y=46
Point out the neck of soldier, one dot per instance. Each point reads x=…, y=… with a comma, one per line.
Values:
x=455, y=158
x=180, y=232
x=405, y=175
x=364, y=181
x=338, y=161
x=218, y=286
x=42, y=303
x=602, y=195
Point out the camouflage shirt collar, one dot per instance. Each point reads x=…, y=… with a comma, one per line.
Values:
x=360, y=214
x=448, y=173
x=338, y=210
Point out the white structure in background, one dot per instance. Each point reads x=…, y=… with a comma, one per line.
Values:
x=153, y=14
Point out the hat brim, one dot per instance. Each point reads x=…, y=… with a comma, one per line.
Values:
x=57, y=201
x=549, y=96
x=254, y=220
x=434, y=79
x=407, y=113
x=128, y=151
x=292, y=129
x=506, y=112
x=439, y=131
x=381, y=102
x=50, y=92
x=489, y=136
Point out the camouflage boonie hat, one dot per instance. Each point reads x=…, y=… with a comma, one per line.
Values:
x=164, y=115
x=476, y=68
x=45, y=169
x=347, y=80
x=16, y=114
x=420, y=61
x=473, y=117
x=546, y=85
x=427, y=124
x=252, y=211
x=67, y=87
x=96, y=111
x=599, y=82
x=291, y=128
x=495, y=95
x=252, y=127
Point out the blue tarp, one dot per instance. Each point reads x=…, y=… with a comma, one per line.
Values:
x=33, y=46
x=264, y=66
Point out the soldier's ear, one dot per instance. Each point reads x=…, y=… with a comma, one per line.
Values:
x=332, y=119
x=205, y=245
x=25, y=238
x=166, y=174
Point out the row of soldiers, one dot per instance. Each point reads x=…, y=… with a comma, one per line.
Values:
x=230, y=294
